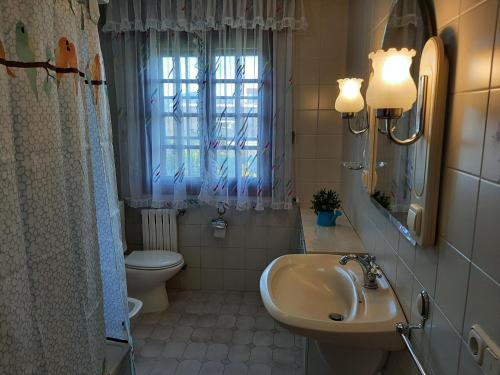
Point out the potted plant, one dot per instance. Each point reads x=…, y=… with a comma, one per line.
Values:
x=326, y=204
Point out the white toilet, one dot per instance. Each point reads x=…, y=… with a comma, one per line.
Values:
x=148, y=270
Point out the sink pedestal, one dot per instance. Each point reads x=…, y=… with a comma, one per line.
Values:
x=352, y=361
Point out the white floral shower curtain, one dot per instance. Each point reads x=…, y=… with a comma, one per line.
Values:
x=60, y=240
x=203, y=95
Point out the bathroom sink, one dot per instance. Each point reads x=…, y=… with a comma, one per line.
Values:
x=313, y=295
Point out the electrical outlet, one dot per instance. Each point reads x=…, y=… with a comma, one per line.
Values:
x=484, y=350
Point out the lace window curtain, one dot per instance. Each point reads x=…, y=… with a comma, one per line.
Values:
x=203, y=100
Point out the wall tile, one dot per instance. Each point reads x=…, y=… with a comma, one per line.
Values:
x=329, y=146
x=491, y=158
x=234, y=258
x=486, y=253
x=445, y=11
x=445, y=346
x=458, y=209
x=306, y=71
x=327, y=170
x=307, y=46
x=212, y=279
x=451, y=283
x=212, y=257
x=327, y=96
x=306, y=96
x=306, y=146
x=475, y=47
x=306, y=170
x=404, y=288
x=190, y=278
x=467, y=364
x=256, y=237
x=426, y=261
x=234, y=280
x=329, y=122
x=466, y=131
x=421, y=338
x=191, y=255
x=189, y=235
x=406, y=250
x=495, y=72
x=305, y=122
x=255, y=259
x=483, y=304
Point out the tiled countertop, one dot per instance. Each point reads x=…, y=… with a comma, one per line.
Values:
x=339, y=239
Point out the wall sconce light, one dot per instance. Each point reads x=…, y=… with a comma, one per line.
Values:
x=350, y=101
x=392, y=91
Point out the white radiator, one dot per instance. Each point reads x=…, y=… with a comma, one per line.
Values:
x=159, y=229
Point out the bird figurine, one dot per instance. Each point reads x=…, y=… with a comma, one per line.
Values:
x=2, y=56
x=66, y=58
x=96, y=76
x=25, y=53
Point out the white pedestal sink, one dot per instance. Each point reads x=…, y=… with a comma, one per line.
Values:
x=304, y=293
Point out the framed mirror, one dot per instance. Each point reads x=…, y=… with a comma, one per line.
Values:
x=410, y=24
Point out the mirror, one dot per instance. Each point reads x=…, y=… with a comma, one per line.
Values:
x=410, y=24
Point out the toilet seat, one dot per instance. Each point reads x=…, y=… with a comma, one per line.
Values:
x=153, y=260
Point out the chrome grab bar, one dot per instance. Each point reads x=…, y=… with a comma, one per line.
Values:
x=404, y=330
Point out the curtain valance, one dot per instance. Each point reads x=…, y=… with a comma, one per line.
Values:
x=201, y=15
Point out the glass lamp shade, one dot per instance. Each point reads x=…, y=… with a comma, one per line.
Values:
x=350, y=99
x=391, y=85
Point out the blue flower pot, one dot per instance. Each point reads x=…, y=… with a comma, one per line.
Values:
x=328, y=218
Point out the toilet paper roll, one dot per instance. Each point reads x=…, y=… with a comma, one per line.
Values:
x=220, y=232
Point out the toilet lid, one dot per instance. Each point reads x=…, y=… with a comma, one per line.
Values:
x=153, y=259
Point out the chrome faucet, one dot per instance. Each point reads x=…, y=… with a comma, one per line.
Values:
x=370, y=269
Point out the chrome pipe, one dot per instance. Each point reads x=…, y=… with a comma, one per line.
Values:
x=404, y=329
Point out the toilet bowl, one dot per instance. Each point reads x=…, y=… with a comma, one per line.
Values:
x=147, y=271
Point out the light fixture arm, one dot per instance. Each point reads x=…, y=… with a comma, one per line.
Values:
x=350, y=115
x=421, y=109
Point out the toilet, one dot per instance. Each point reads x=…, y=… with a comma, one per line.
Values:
x=148, y=270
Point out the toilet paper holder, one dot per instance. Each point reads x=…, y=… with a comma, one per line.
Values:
x=220, y=222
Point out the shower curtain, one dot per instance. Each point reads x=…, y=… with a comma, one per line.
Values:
x=60, y=242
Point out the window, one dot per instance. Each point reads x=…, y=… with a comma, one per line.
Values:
x=233, y=107
x=180, y=96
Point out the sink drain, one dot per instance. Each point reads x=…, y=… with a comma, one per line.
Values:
x=336, y=317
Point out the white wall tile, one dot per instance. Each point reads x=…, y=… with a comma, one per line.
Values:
x=491, y=158
x=305, y=122
x=458, y=209
x=404, y=288
x=445, y=346
x=486, y=253
x=191, y=255
x=212, y=279
x=483, y=304
x=475, y=47
x=426, y=261
x=451, y=283
x=466, y=131
x=330, y=122
x=189, y=235
x=234, y=258
x=212, y=257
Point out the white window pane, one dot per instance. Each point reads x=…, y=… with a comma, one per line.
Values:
x=192, y=67
x=249, y=105
x=168, y=105
x=168, y=68
x=168, y=89
x=225, y=67
x=225, y=105
x=170, y=162
x=183, y=67
x=251, y=67
x=189, y=89
x=189, y=106
x=249, y=163
x=252, y=129
x=192, y=162
x=224, y=89
x=250, y=89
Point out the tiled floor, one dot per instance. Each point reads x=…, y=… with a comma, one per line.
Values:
x=215, y=332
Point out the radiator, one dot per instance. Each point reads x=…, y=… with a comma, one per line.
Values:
x=159, y=229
